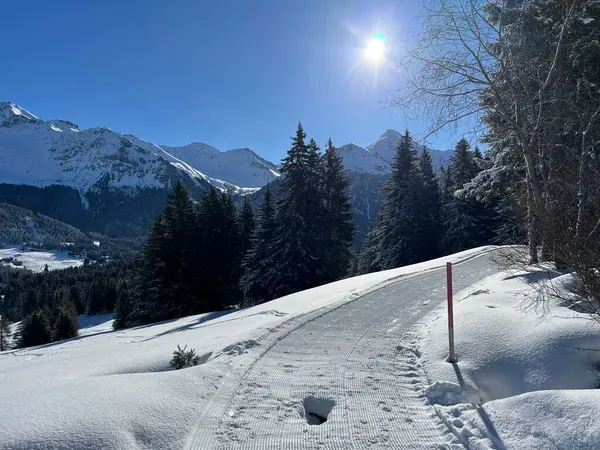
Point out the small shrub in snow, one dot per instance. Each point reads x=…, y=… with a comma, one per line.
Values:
x=184, y=358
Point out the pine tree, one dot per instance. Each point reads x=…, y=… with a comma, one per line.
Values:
x=151, y=278
x=396, y=238
x=467, y=223
x=430, y=208
x=66, y=324
x=5, y=340
x=337, y=216
x=179, y=219
x=296, y=242
x=258, y=260
x=247, y=224
x=35, y=329
x=164, y=274
x=122, y=308
x=232, y=253
x=463, y=167
x=218, y=252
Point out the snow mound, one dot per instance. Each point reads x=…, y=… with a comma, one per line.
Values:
x=527, y=371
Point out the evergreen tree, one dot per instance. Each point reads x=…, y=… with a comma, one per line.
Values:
x=5, y=341
x=463, y=166
x=258, y=260
x=397, y=237
x=467, y=223
x=66, y=324
x=151, y=278
x=163, y=280
x=122, y=308
x=35, y=329
x=296, y=241
x=218, y=252
x=337, y=216
x=430, y=208
x=179, y=221
x=247, y=224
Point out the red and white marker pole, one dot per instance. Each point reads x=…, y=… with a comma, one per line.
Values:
x=451, y=355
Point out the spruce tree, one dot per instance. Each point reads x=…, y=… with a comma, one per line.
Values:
x=163, y=278
x=296, y=244
x=218, y=252
x=258, y=260
x=466, y=222
x=397, y=236
x=179, y=219
x=35, y=329
x=337, y=216
x=463, y=166
x=429, y=209
x=151, y=278
x=65, y=323
x=247, y=224
x=5, y=340
x=122, y=308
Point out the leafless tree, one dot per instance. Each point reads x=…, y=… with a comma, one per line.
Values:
x=469, y=62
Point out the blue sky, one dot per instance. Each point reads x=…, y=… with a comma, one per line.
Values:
x=230, y=73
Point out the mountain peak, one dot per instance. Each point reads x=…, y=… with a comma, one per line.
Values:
x=389, y=132
x=9, y=112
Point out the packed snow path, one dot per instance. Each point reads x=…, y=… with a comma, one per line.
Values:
x=346, y=366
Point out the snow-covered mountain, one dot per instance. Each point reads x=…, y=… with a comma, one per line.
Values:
x=240, y=167
x=376, y=158
x=44, y=152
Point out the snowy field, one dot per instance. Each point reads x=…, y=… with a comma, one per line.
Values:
x=366, y=354
x=527, y=371
x=114, y=390
x=37, y=260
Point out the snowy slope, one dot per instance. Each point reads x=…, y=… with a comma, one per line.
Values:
x=113, y=389
x=39, y=152
x=241, y=167
x=527, y=372
x=44, y=152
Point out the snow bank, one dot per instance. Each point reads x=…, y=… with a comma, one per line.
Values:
x=527, y=368
x=113, y=389
x=37, y=260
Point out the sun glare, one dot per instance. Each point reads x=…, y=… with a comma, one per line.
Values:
x=375, y=49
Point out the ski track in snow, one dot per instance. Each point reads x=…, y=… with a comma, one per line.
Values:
x=357, y=355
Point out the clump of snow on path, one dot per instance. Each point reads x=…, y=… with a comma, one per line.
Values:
x=527, y=372
x=110, y=389
x=36, y=260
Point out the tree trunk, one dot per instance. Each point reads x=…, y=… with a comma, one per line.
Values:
x=581, y=191
x=532, y=227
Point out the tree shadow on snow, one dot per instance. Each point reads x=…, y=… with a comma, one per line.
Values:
x=205, y=318
x=535, y=276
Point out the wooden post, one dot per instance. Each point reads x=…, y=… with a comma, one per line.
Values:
x=451, y=355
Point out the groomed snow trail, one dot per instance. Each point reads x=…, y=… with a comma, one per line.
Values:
x=354, y=356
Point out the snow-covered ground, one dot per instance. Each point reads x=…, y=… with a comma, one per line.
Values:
x=114, y=390
x=527, y=371
x=37, y=260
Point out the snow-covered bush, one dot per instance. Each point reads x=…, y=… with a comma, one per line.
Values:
x=184, y=358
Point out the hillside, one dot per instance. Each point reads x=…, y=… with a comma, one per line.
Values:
x=20, y=226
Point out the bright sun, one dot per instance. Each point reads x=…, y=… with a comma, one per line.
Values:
x=375, y=49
